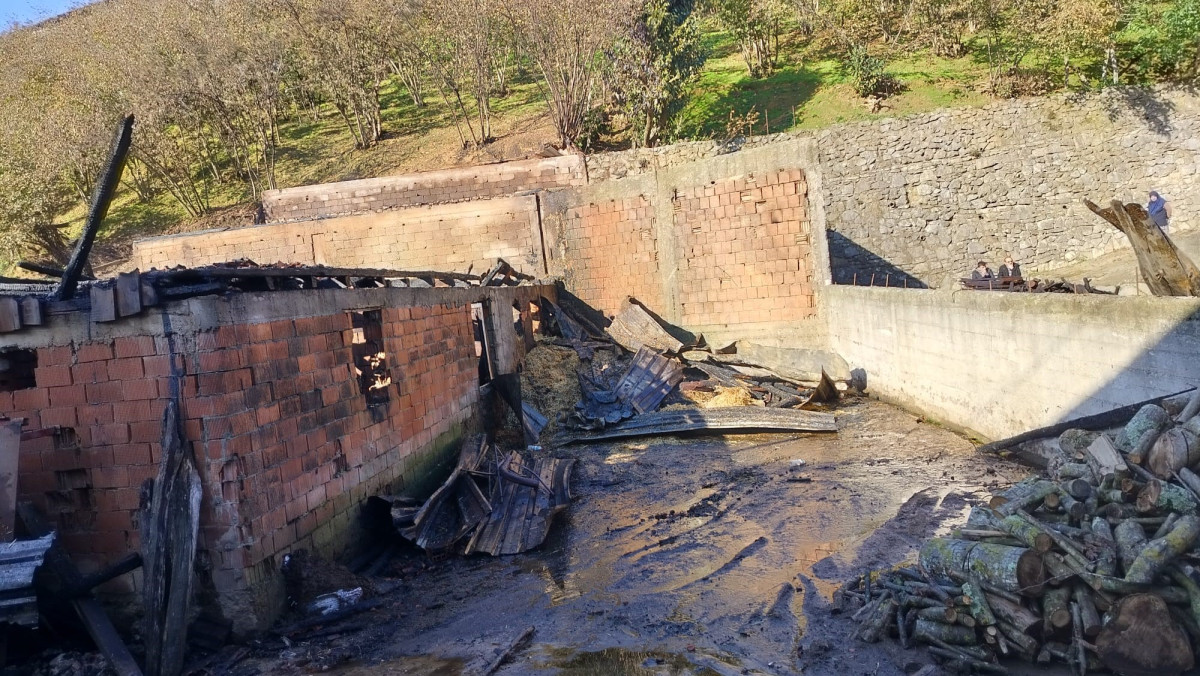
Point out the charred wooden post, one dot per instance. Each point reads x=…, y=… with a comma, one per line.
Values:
x=170, y=526
x=106, y=190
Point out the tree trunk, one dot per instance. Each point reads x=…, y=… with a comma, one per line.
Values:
x=1166, y=269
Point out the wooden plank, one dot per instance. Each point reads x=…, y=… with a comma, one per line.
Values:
x=104, y=303
x=505, y=354
x=647, y=380
x=10, y=314
x=128, y=294
x=736, y=418
x=633, y=327
x=31, y=311
x=527, y=325
x=10, y=453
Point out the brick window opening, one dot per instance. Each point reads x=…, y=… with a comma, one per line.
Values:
x=17, y=369
x=481, y=343
x=370, y=361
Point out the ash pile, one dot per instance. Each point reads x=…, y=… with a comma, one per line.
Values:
x=1091, y=563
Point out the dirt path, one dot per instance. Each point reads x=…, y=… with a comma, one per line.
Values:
x=705, y=556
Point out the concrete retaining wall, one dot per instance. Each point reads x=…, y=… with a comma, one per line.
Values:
x=999, y=364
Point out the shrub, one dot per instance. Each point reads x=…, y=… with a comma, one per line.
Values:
x=867, y=73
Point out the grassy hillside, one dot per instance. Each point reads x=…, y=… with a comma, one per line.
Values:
x=808, y=91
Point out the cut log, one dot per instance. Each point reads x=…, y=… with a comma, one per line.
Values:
x=1014, y=614
x=1171, y=453
x=1149, y=417
x=1104, y=460
x=1130, y=538
x=1143, y=640
x=1080, y=489
x=1106, y=546
x=1141, y=449
x=1161, y=496
x=1025, y=644
x=1073, y=470
x=1158, y=553
x=1056, y=612
x=1032, y=535
x=978, y=603
x=953, y=634
x=1013, y=569
x=1082, y=595
x=1192, y=409
x=878, y=620
x=940, y=614
x=1023, y=496
x=1189, y=479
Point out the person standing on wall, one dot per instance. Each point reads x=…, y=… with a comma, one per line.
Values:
x=1009, y=268
x=1160, y=211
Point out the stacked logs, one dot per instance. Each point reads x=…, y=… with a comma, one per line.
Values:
x=1092, y=563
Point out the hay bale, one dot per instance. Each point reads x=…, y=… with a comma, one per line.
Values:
x=549, y=382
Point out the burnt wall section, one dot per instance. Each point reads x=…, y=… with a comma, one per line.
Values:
x=445, y=237
x=287, y=443
x=928, y=195
x=431, y=187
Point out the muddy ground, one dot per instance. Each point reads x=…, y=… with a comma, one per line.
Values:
x=677, y=556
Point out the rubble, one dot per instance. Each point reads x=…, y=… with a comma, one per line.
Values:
x=1091, y=563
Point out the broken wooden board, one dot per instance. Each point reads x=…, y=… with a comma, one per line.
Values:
x=647, y=380
x=1167, y=270
x=532, y=420
x=1104, y=459
x=522, y=515
x=731, y=419
x=455, y=508
x=10, y=452
x=633, y=328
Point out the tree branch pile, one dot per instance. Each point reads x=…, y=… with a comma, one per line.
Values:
x=1091, y=564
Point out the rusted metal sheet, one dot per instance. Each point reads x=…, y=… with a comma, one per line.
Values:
x=648, y=379
x=521, y=518
x=634, y=327
x=732, y=419
x=18, y=562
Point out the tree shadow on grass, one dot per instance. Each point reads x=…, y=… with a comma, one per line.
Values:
x=777, y=100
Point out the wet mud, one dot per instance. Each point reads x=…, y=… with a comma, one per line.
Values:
x=679, y=556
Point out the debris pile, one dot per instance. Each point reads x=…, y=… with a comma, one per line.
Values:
x=491, y=503
x=632, y=367
x=1091, y=563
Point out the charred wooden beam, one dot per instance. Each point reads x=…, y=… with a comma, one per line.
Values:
x=106, y=190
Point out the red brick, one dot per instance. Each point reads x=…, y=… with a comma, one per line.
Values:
x=96, y=414
x=63, y=417
x=131, y=454
x=90, y=372
x=52, y=376
x=133, y=411
x=145, y=431
x=157, y=366
x=54, y=356
x=31, y=399
x=129, y=368
x=93, y=352
x=70, y=395
x=220, y=360
x=106, y=435
x=144, y=389
x=106, y=392
x=133, y=346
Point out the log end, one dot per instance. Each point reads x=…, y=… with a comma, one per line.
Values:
x=1143, y=640
x=1031, y=574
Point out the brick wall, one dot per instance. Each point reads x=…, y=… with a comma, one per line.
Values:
x=613, y=253
x=286, y=444
x=433, y=187
x=745, y=248
x=452, y=237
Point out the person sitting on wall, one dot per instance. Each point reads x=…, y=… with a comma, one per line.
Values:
x=982, y=271
x=1160, y=211
x=1009, y=268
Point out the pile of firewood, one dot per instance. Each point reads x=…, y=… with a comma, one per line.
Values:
x=1091, y=563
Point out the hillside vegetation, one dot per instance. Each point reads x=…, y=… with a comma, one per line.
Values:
x=234, y=97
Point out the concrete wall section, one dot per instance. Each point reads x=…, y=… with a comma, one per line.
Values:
x=432, y=187
x=446, y=237
x=999, y=364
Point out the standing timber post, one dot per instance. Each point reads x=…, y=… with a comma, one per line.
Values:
x=1166, y=269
